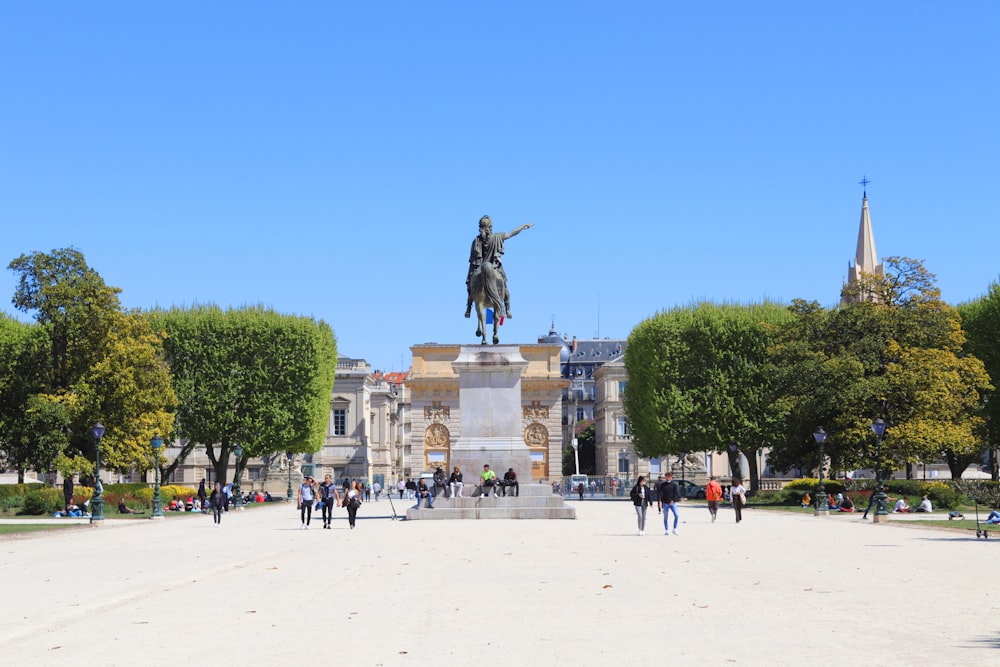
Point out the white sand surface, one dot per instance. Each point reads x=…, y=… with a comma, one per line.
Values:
x=777, y=589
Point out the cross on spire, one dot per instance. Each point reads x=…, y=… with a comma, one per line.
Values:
x=864, y=183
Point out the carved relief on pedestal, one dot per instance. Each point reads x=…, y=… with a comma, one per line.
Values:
x=437, y=411
x=535, y=412
x=536, y=435
x=437, y=436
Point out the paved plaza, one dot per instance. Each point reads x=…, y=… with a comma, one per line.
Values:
x=777, y=589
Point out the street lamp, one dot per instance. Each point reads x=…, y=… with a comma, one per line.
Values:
x=822, y=506
x=238, y=451
x=290, y=456
x=576, y=453
x=881, y=513
x=156, y=443
x=97, y=502
x=683, y=481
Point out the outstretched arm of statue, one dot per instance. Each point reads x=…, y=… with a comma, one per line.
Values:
x=519, y=229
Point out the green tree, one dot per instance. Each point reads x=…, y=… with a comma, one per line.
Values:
x=981, y=322
x=249, y=376
x=697, y=381
x=101, y=364
x=897, y=356
x=33, y=428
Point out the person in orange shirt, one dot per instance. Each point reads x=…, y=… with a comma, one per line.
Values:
x=713, y=494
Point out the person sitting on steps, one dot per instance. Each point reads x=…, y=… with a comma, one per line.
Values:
x=510, y=480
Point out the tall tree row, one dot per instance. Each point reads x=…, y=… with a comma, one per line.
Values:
x=251, y=377
x=705, y=377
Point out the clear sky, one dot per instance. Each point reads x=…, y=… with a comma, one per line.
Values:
x=333, y=159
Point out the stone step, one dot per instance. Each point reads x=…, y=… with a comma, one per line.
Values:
x=441, y=512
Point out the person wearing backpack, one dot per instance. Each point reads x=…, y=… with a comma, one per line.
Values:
x=713, y=494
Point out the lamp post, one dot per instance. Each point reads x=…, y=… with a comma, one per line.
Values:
x=290, y=456
x=822, y=506
x=156, y=443
x=881, y=513
x=238, y=451
x=576, y=454
x=683, y=460
x=97, y=502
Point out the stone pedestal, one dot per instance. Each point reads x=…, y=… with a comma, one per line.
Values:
x=880, y=518
x=489, y=397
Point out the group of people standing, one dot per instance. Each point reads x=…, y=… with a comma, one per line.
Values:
x=667, y=495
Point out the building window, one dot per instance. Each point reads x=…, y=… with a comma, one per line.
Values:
x=340, y=421
x=621, y=388
x=581, y=414
x=253, y=473
x=654, y=466
x=210, y=475
x=622, y=428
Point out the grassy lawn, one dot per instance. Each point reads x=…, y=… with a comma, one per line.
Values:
x=8, y=529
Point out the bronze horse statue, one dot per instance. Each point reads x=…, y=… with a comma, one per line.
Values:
x=486, y=290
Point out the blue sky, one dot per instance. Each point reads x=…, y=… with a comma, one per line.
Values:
x=333, y=159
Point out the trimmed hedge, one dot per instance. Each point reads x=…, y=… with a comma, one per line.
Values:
x=43, y=501
x=8, y=490
x=809, y=484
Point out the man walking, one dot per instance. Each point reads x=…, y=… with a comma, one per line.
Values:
x=68, y=490
x=713, y=494
x=670, y=495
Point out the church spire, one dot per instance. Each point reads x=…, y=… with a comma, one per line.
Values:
x=865, y=258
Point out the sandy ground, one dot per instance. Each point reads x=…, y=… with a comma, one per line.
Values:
x=777, y=589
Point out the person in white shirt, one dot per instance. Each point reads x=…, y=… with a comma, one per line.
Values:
x=925, y=505
x=901, y=505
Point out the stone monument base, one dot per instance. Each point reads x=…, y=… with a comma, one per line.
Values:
x=535, y=501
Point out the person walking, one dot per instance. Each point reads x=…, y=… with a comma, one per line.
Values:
x=202, y=495
x=641, y=498
x=352, y=501
x=738, y=495
x=218, y=502
x=307, y=495
x=401, y=487
x=328, y=498
x=455, y=482
x=670, y=495
x=713, y=494
x=656, y=494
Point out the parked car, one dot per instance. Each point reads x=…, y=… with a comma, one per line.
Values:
x=689, y=489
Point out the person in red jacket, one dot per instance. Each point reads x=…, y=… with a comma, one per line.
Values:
x=713, y=494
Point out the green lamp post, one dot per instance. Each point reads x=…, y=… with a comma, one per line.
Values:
x=290, y=457
x=97, y=501
x=881, y=512
x=156, y=442
x=822, y=505
x=238, y=451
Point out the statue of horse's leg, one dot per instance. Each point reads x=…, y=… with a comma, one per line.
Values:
x=496, y=338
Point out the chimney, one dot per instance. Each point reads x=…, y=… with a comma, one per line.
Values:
x=573, y=344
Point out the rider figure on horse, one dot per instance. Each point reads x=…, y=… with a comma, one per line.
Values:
x=487, y=248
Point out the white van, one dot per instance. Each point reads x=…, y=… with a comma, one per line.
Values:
x=576, y=480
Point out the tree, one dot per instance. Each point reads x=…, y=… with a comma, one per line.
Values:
x=101, y=364
x=897, y=356
x=33, y=428
x=981, y=322
x=697, y=380
x=249, y=376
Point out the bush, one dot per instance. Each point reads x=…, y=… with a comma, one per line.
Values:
x=11, y=502
x=8, y=490
x=781, y=497
x=809, y=484
x=145, y=497
x=43, y=501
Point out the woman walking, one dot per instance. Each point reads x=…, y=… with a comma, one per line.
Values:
x=328, y=498
x=307, y=495
x=455, y=481
x=352, y=501
x=739, y=497
x=218, y=502
x=641, y=498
